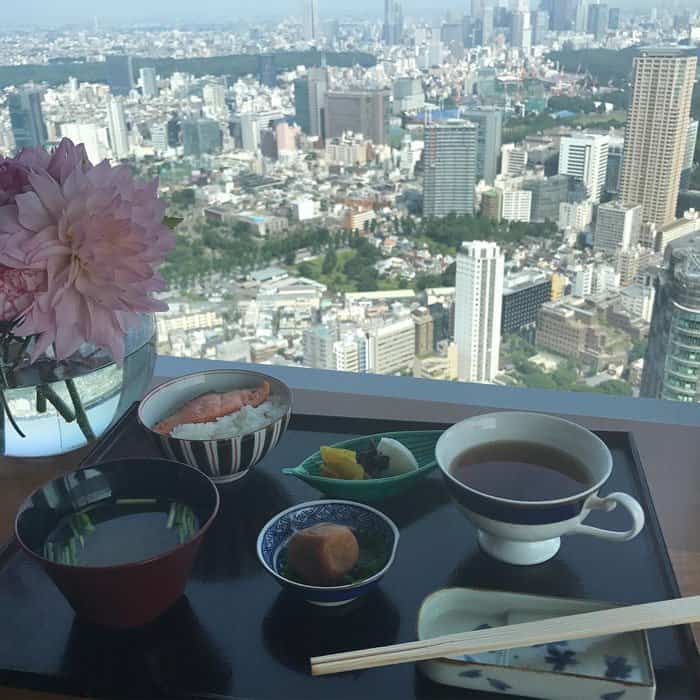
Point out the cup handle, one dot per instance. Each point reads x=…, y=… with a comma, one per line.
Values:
x=607, y=504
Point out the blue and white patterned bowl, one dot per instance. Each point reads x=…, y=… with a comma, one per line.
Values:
x=361, y=518
x=221, y=460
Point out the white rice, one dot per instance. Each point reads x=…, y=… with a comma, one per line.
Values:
x=247, y=420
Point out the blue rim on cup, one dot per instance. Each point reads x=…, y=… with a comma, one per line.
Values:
x=276, y=533
x=223, y=460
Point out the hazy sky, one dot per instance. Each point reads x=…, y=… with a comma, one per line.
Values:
x=42, y=11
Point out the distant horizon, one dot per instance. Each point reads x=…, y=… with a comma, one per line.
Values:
x=82, y=12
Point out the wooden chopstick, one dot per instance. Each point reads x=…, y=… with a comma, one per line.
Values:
x=630, y=618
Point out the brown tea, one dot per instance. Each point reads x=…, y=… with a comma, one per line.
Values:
x=521, y=471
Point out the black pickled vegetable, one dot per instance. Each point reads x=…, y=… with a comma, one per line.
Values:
x=375, y=464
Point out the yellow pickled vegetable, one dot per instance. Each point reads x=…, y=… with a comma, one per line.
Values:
x=341, y=464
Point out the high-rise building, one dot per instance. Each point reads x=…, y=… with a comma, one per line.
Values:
x=581, y=22
x=614, y=18
x=391, y=347
x=149, y=84
x=547, y=194
x=201, y=137
x=490, y=134
x=585, y=158
x=250, y=132
x=562, y=14
x=26, y=118
x=598, y=20
x=351, y=352
x=576, y=215
x=424, y=331
x=159, y=136
x=524, y=293
x=319, y=351
x=174, y=131
x=302, y=105
x=312, y=21
x=516, y=205
x=450, y=156
x=513, y=160
x=689, y=156
x=367, y=112
x=487, y=24
x=672, y=362
x=617, y=227
x=616, y=150
x=582, y=280
x=119, y=73
x=267, y=69
x=492, y=204
x=521, y=30
x=408, y=95
x=393, y=22
x=91, y=136
x=629, y=262
x=214, y=95
x=478, y=310
x=118, y=134
x=540, y=26
x=657, y=131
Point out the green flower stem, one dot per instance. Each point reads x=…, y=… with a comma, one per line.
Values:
x=56, y=401
x=80, y=414
x=41, y=403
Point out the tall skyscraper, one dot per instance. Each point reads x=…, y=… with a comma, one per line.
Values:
x=149, y=86
x=540, y=26
x=487, y=23
x=562, y=14
x=450, y=157
x=672, y=362
x=614, y=18
x=118, y=135
x=478, y=310
x=312, y=21
x=598, y=20
x=521, y=30
x=159, y=136
x=513, y=160
x=26, y=118
x=393, y=22
x=616, y=150
x=250, y=132
x=365, y=112
x=657, y=131
x=585, y=158
x=214, y=95
x=617, y=227
x=490, y=134
x=581, y=21
x=689, y=156
x=119, y=73
x=200, y=137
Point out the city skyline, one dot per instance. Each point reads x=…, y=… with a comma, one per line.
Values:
x=338, y=183
x=43, y=13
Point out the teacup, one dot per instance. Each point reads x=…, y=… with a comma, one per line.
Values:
x=529, y=532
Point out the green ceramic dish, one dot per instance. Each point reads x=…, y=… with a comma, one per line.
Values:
x=420, y=442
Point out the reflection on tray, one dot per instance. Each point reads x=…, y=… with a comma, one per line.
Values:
x=294, y=632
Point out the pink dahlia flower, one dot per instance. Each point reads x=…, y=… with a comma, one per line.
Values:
x=14, y=172
x=96, y=235
x=18, y=289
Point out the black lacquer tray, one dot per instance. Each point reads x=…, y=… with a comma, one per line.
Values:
x=236, y=635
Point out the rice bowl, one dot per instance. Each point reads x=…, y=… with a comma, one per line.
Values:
x=227, y=447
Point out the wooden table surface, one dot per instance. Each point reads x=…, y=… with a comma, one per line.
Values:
x=669, y=454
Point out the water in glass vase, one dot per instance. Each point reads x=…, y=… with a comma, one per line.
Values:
x=104, y=390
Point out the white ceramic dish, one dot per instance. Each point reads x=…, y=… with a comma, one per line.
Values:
x=616, y=667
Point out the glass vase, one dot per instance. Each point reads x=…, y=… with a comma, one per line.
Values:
x=56, y=407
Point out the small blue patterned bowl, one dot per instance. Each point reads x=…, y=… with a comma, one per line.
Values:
x=363, y=520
